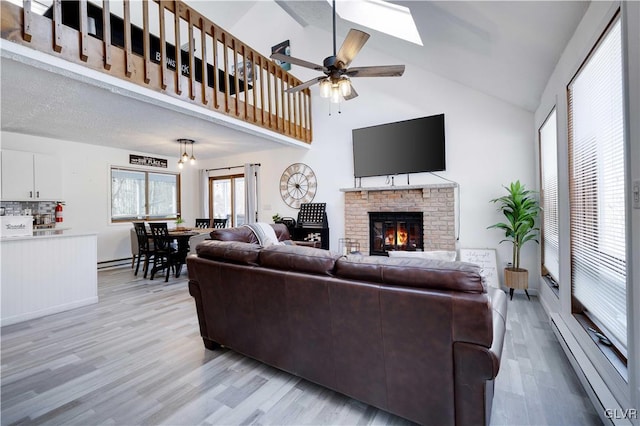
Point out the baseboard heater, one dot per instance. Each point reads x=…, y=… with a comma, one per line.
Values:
x=599, y=394
x=114, y=263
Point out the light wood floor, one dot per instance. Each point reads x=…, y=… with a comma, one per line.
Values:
x=137, y=358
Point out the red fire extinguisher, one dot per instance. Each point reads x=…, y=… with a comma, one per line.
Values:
x=59, y=217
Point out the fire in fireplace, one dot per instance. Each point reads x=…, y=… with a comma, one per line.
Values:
x=395, y=231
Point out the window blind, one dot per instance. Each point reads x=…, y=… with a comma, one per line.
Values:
x=597, y=187
x=549, y=195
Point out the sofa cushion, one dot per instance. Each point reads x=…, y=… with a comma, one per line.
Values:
x=410, y=272
x=229, y=251
x=299, y=259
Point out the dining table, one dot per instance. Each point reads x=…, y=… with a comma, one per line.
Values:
x=182, y=236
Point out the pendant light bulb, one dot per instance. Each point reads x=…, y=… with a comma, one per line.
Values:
x=193, y=158
x=180, y=164
x=325, y=88
x=345, y=87
x=335, y=94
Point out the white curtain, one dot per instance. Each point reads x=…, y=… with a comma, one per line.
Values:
x=203, y=190
x=251, y=192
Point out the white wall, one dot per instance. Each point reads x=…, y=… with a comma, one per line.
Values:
x=489, y=142
x=86, y=187
x=591, y=27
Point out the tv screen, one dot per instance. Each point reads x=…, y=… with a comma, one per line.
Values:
x=410, y=146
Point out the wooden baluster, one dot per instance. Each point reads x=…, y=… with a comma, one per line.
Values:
x=145, y=42
x=163, y=48
x=270, y=97
x=282, y=97
x=26, y=16
x=205, y=73
x=128, y=59
x=289, y=104
x=261, y=89
x=246, y=80
x=176, y=24
x=255, y=81
x=106, y=34
x=309, y=115
x=226, y=72
x=84, y=51
x=235, y=75
x=215, y=67
x=296, y=110
x=57, y=25
x=192, y=64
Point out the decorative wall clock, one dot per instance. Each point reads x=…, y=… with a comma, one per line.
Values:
x=298, y=185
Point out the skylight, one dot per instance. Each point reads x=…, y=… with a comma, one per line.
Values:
x=381, y=16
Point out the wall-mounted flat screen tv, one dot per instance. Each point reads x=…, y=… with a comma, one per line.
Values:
x=409, y=146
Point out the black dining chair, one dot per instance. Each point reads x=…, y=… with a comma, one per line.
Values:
x=145, y=248
x=219, y=223
x=203, y=223
x=164, y=255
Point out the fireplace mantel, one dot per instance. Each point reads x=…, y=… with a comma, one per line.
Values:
x=401, y=187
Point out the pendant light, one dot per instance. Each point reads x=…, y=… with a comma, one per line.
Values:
x=184, y=156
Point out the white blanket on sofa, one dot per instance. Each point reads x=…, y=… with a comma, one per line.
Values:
x=264, y=233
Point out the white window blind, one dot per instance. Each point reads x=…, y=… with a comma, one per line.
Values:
x=597, y=187
x=549, y=195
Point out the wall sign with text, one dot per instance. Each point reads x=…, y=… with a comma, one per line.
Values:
x=141, y=160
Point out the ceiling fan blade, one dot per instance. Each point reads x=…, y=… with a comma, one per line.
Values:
x=300, y=62
x=352, y=95
x=304, y=85
x=376, y=71
x=351, y=46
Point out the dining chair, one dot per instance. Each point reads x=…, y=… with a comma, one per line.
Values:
x=219, y=223
x=145, y=248
x=203, y=223
x=164, y=255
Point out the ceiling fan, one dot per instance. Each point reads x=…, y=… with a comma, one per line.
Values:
x=336, y=83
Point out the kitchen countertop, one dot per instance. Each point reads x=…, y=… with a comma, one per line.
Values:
x=49, y=233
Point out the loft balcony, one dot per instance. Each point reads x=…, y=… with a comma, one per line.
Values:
x=137, y=43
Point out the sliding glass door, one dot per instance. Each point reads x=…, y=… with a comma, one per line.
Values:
x=226, y=199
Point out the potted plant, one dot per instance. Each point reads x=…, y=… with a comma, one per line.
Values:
x=520, y=207
x=179, y=222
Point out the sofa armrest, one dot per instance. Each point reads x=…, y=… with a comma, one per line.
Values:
x=476, y=366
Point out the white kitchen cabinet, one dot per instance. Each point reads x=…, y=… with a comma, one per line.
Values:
x=28, y=176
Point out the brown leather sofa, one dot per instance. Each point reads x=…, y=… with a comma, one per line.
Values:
x=419, y=338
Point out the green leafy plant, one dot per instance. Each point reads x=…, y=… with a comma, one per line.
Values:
x=520, y=207
x=179, y=221
x=276, y=217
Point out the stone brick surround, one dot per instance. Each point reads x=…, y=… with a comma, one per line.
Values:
x=437, y=202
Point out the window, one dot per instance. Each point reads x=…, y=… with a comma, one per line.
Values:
x=226, y=199
x=549, y=197
x=138, y=194
x=597, y=188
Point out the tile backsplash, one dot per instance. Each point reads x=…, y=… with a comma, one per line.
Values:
x=15, y=208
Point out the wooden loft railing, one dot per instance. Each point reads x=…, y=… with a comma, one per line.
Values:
x=80, y=32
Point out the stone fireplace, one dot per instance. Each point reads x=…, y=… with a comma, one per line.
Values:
x=435, y=202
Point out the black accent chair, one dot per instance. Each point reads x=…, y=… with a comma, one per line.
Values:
x=145, y=248
x=219, y=223
x=164, y=256
x=203, y=223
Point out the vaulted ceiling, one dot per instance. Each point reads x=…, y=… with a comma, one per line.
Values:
x=504, y=49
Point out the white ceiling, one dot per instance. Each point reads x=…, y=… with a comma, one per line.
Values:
x=505, y=49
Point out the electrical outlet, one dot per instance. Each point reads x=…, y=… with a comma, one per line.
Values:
x=635, y=194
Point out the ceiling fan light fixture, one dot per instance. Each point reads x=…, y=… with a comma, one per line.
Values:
x=325, y=88
x=336, y=96
x=345, y=87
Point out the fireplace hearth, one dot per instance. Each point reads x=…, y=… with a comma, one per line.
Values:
x=395, y=231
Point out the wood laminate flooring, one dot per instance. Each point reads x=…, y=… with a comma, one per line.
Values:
x=136, y=358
